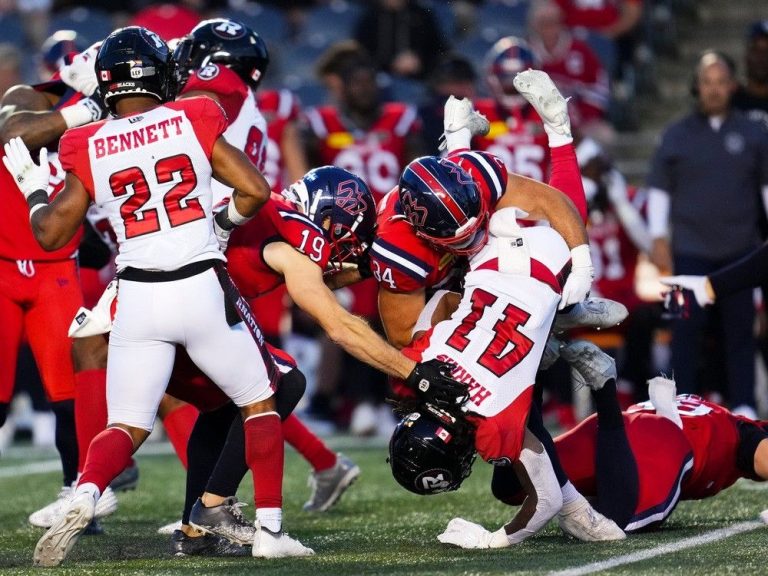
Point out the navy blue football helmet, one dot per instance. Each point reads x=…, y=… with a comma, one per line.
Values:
x=429, y=453
x=444, y=205
x=506, y=58
x=134, y=61
x=342, y=205
x=226, y=42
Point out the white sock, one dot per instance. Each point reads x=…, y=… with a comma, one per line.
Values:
x=270, y=518
x=88, y=488
x=570, y=494
x=458, y=140
x=555, y=139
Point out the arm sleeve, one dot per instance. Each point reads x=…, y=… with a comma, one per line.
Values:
x=658, y=213
x=749, y=272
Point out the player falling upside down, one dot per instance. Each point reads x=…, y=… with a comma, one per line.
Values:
x=638, y=464
x=440, y=215
x=494, y=339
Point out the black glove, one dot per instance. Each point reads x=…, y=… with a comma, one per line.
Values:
x=364, y=264
x=432, y=382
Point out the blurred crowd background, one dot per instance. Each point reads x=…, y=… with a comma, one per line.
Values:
x=627, y=66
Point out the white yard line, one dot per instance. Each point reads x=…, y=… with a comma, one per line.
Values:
x=701, y=539
x=30, y=468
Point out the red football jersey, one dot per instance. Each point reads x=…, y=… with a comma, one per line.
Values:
x=402, y=262
x=713, y=434
x=276, y=221
x=377, y=155
x=517, y=137
x=591, y=13
x=16, y=239
x=279, y=107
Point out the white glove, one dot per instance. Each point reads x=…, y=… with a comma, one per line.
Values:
x=466, y=534
x=81, y=73
x=696, y=284
x=97, y=321
x=29, y=176
x=579, y=281
x=221, y=235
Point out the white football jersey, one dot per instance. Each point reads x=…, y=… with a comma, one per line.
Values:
x=497, y=335
x=151, y=174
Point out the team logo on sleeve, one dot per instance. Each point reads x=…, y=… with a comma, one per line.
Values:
x=414, y=213
x=350, y=199
x=208, y=72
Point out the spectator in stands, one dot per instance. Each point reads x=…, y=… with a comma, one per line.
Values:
x=752, y=97
x=334, y=61
x=705, y=181
x=611, y=18
x=10, y=67
x=402, y=37
x=573, y=66
x=453, y=75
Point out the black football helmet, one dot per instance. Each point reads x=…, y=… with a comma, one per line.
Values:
x=430, y=452
x=342, y=205
x=227, y=42
x=444, y=205
x=134, y=61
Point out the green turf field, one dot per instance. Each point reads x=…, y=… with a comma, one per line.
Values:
x=377, y=528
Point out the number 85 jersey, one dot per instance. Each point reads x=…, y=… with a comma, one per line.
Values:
x=151, y=174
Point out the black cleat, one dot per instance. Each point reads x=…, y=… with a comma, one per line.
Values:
x=225, y=520
x=205, y=545
x=128, y=479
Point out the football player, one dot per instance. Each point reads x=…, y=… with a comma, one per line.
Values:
x=150, y=168
x=39, y=288
x=494, y=340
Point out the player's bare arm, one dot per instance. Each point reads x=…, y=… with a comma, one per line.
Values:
x=25, y=112
x=542, y=202
x=304, y=281
x=55, y=224
x=399, y=313
x=233, y=168
x=761, y=459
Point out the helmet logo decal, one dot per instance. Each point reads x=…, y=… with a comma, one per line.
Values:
x=228, y=30
x=208, y=72
x=434, y=480
x=462, y=177
x=350, y=199
x=414, y=213
x=155, y=38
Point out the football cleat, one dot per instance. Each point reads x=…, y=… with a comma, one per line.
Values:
x=591, y=313
x=47, y=515
x=169, y=529
x=663, y=395
x=205, y=545
x=328, y=485
x=461, y=114
x=128, y=479
x=537, y=87
x=590, y=366
x=551, y=352
x=56, y=543
x=580, y=520
x=268, y=544
x=225, y=520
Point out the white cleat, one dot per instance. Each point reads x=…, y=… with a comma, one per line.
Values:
x=537, y=87
x=48, y=515
x=107, y=504
x=460, y=114
x=169, y=529
x=591, y=313
x=590, y=366
x=580, y=520
x=268, y=544
x=56, y=543
x=663, y=395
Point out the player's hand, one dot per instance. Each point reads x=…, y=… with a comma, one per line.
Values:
x=579, y=281
x=221, y=235
x=364, y=263
x=699, y=285
x=29, y=176
x=432, y=382
x=81, y=73
x=466, y=534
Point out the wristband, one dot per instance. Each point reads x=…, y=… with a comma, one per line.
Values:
x=82, y=112
x=37, y=200
x=580, y=257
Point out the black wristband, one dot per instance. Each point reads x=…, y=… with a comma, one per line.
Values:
x=37, y=197
x=223, y=220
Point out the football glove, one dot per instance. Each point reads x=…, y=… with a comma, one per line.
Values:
x=466, y=534
x=696, y=284
x=81, y=73
x=579, y=281
x=29, y=176
x=432, y=382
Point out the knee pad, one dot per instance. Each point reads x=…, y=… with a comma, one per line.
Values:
x=289, y=392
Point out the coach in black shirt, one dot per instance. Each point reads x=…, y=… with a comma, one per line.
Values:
x=707, y=182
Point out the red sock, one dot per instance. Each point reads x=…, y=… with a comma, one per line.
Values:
x=109, y=454
x=178, y=426
x=264, y=453
x=566, y=177
x=90, y=409
x=307, y=444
